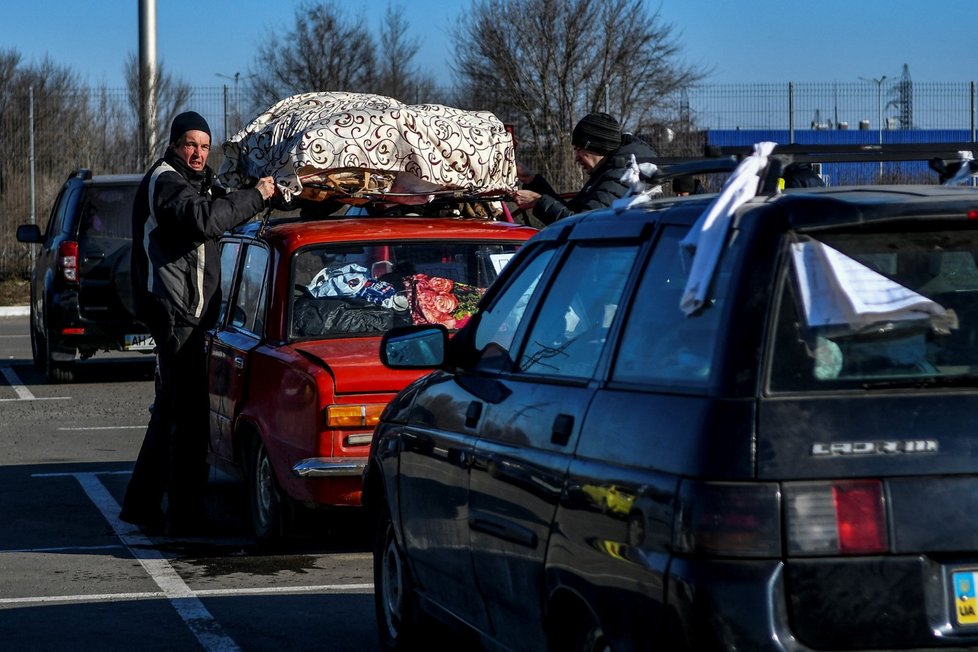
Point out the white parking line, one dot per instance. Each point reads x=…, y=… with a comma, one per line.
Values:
x=193, y=612
x=106, y=428
x=183, y=599
x=23, y=394
x=145, y=595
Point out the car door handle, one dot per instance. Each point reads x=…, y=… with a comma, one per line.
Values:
x=561, y=432
x=238, y=362
x=473, y=414
x=94, y=255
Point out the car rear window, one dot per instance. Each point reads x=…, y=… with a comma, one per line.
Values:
x=933, y=341
x=366, y=289
x=106, y=211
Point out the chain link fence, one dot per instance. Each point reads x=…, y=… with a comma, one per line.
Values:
x=44, y=137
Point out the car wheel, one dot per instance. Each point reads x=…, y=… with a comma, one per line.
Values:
x=394, y=599
x=578, y=632
x=56, y=372
x=38, y=344
x=269, y=507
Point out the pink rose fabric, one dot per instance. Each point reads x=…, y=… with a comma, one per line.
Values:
x=438, y=300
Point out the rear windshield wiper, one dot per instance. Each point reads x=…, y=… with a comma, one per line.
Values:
x=957, y=380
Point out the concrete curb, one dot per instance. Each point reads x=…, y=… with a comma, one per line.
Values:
x=14, y=311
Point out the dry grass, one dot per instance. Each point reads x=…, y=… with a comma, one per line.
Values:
x=14, y=292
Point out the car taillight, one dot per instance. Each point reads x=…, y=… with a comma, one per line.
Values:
x=845, y=517
x=728, y=519
x=363, y=415
x=68, y=261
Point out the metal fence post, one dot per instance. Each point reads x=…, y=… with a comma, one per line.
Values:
x=973, y=134
x=30, y=155
x=791, y=112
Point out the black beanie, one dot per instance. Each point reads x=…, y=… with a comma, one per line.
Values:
x=187, y=121
x=598, y=133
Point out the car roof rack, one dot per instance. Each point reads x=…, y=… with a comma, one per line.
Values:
x=724, y=159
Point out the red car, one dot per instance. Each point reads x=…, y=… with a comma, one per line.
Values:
x=296, y=382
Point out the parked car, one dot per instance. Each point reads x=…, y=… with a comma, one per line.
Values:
x=80, y=292
x=296, y=382
x=401, y=223
x=787, y=462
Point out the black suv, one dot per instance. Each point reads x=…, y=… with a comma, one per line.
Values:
x=788, y=462
x=80, y=291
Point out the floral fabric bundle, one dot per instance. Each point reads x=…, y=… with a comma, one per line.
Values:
x=439, y=300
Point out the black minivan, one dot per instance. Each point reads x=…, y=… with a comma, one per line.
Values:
x=80, y=292
x=637, y=445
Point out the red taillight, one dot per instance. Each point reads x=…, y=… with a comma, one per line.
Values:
x=859, y=516
x=845, y=517
x=68, y=261
x=973, y=215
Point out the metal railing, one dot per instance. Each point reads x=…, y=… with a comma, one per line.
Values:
x=44, y=137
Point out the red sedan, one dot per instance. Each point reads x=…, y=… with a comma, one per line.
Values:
x=296, y=382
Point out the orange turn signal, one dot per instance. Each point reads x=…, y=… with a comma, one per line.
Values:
x=353, y=416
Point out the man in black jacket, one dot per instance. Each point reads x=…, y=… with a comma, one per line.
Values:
x=604, y=152
x=178, y=217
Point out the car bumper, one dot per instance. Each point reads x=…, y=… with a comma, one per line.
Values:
x=329, y=467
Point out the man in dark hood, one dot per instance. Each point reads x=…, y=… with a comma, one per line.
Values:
x=604, y=152
x=178, y=218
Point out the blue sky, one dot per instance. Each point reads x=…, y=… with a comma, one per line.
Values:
x=737, y=41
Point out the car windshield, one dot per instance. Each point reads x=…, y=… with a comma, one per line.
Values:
x=366, y=289
x=886, y=309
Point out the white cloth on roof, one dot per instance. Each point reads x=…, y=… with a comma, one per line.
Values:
x=636, y=177
x=708, y=234
x=964, y=172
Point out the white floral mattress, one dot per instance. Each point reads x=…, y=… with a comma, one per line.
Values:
x=351, y=146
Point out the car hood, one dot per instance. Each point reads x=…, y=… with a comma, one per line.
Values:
x=872, y=435
x=355, y=365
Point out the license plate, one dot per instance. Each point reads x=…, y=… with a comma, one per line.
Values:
x=965, y=596
x=139, y=343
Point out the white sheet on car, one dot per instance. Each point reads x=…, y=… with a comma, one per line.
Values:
x=709, y=233
x=309, y=134
x=837, y=290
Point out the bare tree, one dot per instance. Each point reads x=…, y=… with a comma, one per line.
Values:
x=543, y=64
x=397, y=77
x=324, y=52
x=61, y=115
x=172, y=97
x=328, y=51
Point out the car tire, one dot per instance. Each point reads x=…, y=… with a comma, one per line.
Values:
x=578, y=631
x=38, y=344
x=398, y=614
x=269, y=505
x=56, y=372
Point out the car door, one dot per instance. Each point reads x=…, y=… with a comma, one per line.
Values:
x=436, y=451
x=238, y=332
x=528, y=436
x=104, y=245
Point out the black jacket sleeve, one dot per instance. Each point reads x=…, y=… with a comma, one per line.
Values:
x=181, y=208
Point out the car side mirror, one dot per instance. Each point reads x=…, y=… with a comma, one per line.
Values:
x=414, y=347
x=29, y=233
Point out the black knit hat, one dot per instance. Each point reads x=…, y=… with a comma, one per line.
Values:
x=598, y=133
x=187, y=121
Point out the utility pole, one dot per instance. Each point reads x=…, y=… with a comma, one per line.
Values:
x=147, y=82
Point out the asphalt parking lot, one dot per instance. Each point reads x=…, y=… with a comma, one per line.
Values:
x=75, y=577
